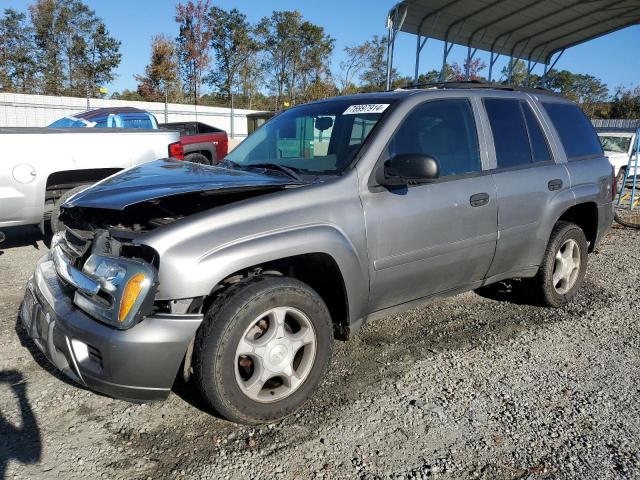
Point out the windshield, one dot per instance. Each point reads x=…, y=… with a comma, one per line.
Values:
x=320, y=138
x=615, y=144
x=70, y=122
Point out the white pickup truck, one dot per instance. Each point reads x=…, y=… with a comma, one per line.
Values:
x=618, y=144
x=41, y=166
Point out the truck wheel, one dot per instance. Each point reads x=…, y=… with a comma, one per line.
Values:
x=56, y=224
x=197, y=158
x=263, y=349
x=563, y=267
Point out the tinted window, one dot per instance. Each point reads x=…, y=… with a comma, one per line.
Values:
x=539, y=145
x=444, y=129
x=577, y=135
x=509, y=132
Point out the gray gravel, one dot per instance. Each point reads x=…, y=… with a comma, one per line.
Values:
x=466, y=387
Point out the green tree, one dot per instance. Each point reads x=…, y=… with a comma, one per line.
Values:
x=315, y=57
x=161, y=77
x=101, y=55
x=587, y=90
x=17, y=64
x=279, y=36
x=194, y=43
x=48, y=27
x=375, y=74
x=626, y=103
x=233, y=45
x=518, y=73
x=74, y=50
x=130, y=95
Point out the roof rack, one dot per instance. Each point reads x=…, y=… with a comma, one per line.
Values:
x=469, y=84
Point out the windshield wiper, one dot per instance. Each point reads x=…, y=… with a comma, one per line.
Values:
x=275, y=166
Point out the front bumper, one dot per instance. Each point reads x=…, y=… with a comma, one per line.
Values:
x=138, y=364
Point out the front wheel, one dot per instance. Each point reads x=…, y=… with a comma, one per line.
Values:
x=263, y=349
x=563, y=266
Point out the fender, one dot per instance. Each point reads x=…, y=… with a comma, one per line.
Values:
x=201, y=147
x=183, y=277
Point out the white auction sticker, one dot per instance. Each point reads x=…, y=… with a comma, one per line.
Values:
x=366, y=108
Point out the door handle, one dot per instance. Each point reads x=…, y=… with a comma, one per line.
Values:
x=479, y=199
x=555, y=184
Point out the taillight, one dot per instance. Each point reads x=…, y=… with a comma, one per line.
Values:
x=614, y=183
x=176, y=150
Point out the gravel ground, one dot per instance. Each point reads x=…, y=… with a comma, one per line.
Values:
x=466, y=387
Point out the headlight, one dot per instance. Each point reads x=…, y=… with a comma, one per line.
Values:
x=125, y=287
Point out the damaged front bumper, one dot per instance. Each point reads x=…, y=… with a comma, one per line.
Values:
x=138, y=364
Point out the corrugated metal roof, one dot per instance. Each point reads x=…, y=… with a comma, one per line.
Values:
x=527, y=29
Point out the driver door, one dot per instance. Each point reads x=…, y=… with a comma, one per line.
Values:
x=438, y=236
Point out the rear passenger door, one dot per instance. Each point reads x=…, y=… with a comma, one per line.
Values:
x=527, y=181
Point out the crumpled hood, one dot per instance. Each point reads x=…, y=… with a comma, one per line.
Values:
x=163, y=178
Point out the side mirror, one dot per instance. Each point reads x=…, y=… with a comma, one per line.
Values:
x=408, y=169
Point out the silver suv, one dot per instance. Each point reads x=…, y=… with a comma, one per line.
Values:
x=239, y=276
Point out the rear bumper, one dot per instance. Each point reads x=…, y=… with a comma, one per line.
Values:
x=605, y=220
x=138, y=364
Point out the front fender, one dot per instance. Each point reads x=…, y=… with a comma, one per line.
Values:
x=184, y=277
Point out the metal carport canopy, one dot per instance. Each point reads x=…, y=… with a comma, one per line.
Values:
x=526, y=29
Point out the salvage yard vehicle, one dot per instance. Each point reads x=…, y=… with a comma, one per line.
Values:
x=112, y=117
x=618, y=145
x=201, y=143
x=42, y=167
x=239, y=276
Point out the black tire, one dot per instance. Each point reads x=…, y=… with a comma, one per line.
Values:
x=225, y=324
x=55, y=223
x=197, y=158
x=544, y=290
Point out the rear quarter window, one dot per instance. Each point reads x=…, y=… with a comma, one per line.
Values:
x=577, y=135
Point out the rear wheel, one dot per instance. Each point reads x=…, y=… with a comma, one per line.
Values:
x=197, y=158
x=563, y=267
x=263, y=349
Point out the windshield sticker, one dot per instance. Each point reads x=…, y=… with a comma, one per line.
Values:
x=366, y=108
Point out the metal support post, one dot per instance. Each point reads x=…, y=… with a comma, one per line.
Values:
x=419, y=46
x=492, y=61
x=447, y=49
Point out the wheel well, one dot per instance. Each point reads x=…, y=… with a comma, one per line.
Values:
x=585, y=215
x=206, y=153
x=318, y=270
x=60, y=182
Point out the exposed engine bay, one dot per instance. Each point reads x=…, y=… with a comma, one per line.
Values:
x=151, y=214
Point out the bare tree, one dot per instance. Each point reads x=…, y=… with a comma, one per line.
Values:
x=352, y=66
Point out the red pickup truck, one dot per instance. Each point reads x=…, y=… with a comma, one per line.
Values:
x=202, y=143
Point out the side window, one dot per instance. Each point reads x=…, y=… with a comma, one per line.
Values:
x=509, y=132
x=444, y=129
x=539, y=145
x=577, y=135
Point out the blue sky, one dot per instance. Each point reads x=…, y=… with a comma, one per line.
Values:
x=614, y=58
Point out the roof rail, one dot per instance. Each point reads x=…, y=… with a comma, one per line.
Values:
x=480, y=84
